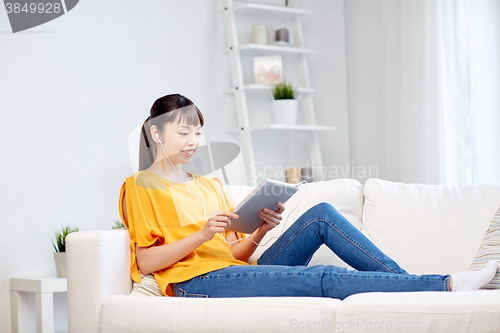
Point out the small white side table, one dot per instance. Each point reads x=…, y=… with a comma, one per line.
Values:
x=44, y=289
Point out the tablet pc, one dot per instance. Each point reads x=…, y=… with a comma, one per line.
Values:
x=266, y=195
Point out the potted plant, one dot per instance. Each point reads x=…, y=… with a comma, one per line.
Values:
x=118, y=225
x=60, y=247
x=285, y=105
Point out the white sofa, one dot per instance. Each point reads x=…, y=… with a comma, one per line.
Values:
x=426, y=229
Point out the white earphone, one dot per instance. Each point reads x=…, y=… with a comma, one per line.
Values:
x=158, y=137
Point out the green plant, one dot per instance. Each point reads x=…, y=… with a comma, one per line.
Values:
x=60, y=243
x=284, y=91
x=118, y=224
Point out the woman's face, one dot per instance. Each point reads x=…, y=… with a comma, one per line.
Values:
x=180, y=141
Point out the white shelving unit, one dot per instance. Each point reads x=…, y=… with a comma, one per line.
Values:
x=231, y=11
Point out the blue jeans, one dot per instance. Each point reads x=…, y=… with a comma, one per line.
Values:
x=281, y=270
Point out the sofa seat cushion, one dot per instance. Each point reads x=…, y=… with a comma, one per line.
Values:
x=428, y=229
x=126, y=313
x=420, y=312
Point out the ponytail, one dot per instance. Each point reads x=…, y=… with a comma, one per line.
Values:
x=146, y=155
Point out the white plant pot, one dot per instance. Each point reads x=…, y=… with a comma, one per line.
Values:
x=60, y=258
x=285, y=111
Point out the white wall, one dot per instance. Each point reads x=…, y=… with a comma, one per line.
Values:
x=72, y=89
x=325, y=34
x=364, y=51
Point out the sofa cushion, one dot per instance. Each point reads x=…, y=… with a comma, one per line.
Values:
x=147, y=287
x=472, y=311
x=346, y=195
x=249, y=314
x=489, y=250
x=428, y=229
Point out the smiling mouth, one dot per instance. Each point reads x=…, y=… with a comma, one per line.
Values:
x=188, y=153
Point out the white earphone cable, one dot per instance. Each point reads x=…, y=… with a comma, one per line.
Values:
x=204, y=204
x=198, y=182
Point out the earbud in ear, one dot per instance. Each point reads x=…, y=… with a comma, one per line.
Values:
x=158, y=137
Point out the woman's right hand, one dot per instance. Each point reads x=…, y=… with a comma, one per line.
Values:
x=217, y=222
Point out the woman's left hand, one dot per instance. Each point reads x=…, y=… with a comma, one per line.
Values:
x=271, y=217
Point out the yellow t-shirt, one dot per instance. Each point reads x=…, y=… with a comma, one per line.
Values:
x=161, y=212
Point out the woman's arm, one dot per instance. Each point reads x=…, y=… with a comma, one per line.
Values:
x=243, y=250
x=153, y=258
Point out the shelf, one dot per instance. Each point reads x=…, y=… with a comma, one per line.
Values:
x=256, y=9
x=264, y=88
x=39, y=285
x=280, y=127
x=254, y=49
x=238, y=53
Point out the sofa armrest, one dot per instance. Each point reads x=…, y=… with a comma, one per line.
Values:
x=98, y=266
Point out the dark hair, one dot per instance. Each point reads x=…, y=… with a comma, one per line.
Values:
x=172, y=107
